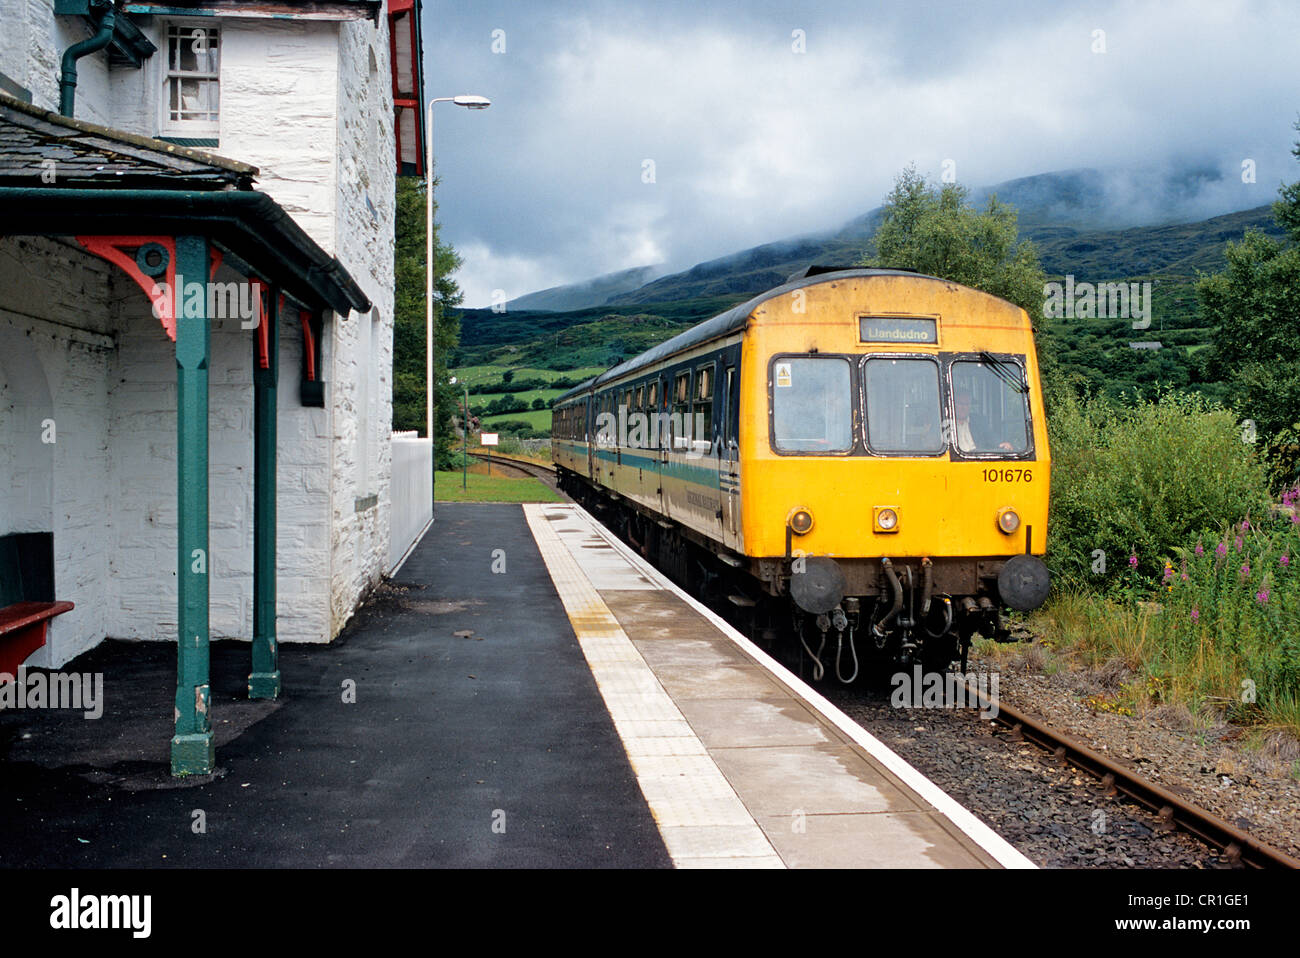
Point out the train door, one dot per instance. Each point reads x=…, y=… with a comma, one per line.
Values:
x=729, y=457
x=663, y=440
x=589, y=418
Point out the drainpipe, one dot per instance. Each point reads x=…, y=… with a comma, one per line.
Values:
x=68, y=81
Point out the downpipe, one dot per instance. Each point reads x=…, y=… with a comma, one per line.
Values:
x=68, y=78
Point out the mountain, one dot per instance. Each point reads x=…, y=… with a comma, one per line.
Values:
x=1070, y=214
x=594, y=292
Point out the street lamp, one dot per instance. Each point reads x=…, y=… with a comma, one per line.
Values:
x=471, y=103
x=464, y=432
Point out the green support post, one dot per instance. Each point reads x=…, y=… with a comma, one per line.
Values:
x=192, y=751
x=264, y=681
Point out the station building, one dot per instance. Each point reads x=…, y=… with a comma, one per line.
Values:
x=196, y=324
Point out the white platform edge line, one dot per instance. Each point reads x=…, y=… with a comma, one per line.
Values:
x=984, y=836
x=539, y=527
x=411, y=548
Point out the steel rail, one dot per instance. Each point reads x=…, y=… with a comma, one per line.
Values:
x=1174, y=812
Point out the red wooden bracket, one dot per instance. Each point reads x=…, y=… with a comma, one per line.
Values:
x=262, y=332
x=308, y=343
x=115, y=249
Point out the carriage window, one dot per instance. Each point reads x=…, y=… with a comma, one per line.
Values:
x=812, y=405
x=903, y=406
x=702, y=421
x=989, y=405
x=679, y=422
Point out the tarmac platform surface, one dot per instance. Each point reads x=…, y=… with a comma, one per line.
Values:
x=487, y=750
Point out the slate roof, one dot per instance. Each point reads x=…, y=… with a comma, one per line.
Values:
x=87, y=155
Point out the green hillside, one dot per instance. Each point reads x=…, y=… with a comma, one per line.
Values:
x=577, y=344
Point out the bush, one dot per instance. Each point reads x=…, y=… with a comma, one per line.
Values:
x=1139, y=481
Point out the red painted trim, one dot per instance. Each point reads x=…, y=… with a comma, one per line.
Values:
x=262, y=331
x=416, y=69
x=217, y=257
x=308, y=344
x=113, y=249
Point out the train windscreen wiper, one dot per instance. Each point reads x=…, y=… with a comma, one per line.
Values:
x=999, y=368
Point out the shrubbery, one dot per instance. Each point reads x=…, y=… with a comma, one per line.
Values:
x=1140, y=481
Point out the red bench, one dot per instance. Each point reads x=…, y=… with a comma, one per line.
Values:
x=23, y=628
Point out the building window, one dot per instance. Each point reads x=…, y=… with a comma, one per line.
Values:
x=191, y=96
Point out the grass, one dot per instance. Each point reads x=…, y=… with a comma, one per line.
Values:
x=536, y=418
x=447, y=488
x=1215, y=634
x=479, y=400
x=492, y=373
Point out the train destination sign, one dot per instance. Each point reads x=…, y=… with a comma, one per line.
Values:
x=897, y=329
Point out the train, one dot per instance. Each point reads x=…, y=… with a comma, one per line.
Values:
x=856, y=460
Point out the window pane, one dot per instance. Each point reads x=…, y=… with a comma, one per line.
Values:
x=812, y=405
x=903, y=406
x=990, y=412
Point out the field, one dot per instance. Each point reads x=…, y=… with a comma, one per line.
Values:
x=492, y=373
x=447, y=488
x=536, y=418
x=478, y=400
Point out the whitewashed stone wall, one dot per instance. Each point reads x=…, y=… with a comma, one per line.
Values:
x=57, y=349
x=361, y=368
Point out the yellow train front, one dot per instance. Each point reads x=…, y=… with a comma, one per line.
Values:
x=859, y=455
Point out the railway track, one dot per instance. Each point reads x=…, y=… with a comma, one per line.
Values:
x=1238, y=847
x=525, y=467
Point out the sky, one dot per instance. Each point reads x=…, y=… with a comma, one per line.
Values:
x=625, y=133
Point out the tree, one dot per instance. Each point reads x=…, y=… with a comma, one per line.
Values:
x=1254, y=306
x=409, y=336
x=508, y=375
x=934, y=230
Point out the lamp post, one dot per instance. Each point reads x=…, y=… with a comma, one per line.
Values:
x=471, y=103
x=464, y=432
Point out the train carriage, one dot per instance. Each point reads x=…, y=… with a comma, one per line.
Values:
x=857, y=455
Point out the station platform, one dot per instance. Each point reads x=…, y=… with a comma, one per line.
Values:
x=743, y=765
x=528, y=693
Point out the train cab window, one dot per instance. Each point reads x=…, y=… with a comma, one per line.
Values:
x=989, y=408
x=702, y=407
x=812, y=405
x=903, y=407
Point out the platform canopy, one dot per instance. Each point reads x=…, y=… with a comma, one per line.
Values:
x=169, y=217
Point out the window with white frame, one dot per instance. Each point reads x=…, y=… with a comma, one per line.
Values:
x=191, y=93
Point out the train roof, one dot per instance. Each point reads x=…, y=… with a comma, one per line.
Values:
x=732, y=320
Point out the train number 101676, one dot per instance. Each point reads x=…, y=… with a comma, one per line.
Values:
x=1009, y=474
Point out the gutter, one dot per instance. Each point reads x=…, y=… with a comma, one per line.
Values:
x=68, y=79
x=251, y=224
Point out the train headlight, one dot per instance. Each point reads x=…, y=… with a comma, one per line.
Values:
x=1008, y=520
x=801, y=521
x=886, y=519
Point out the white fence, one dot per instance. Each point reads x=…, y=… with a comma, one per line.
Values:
x=412, y=492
